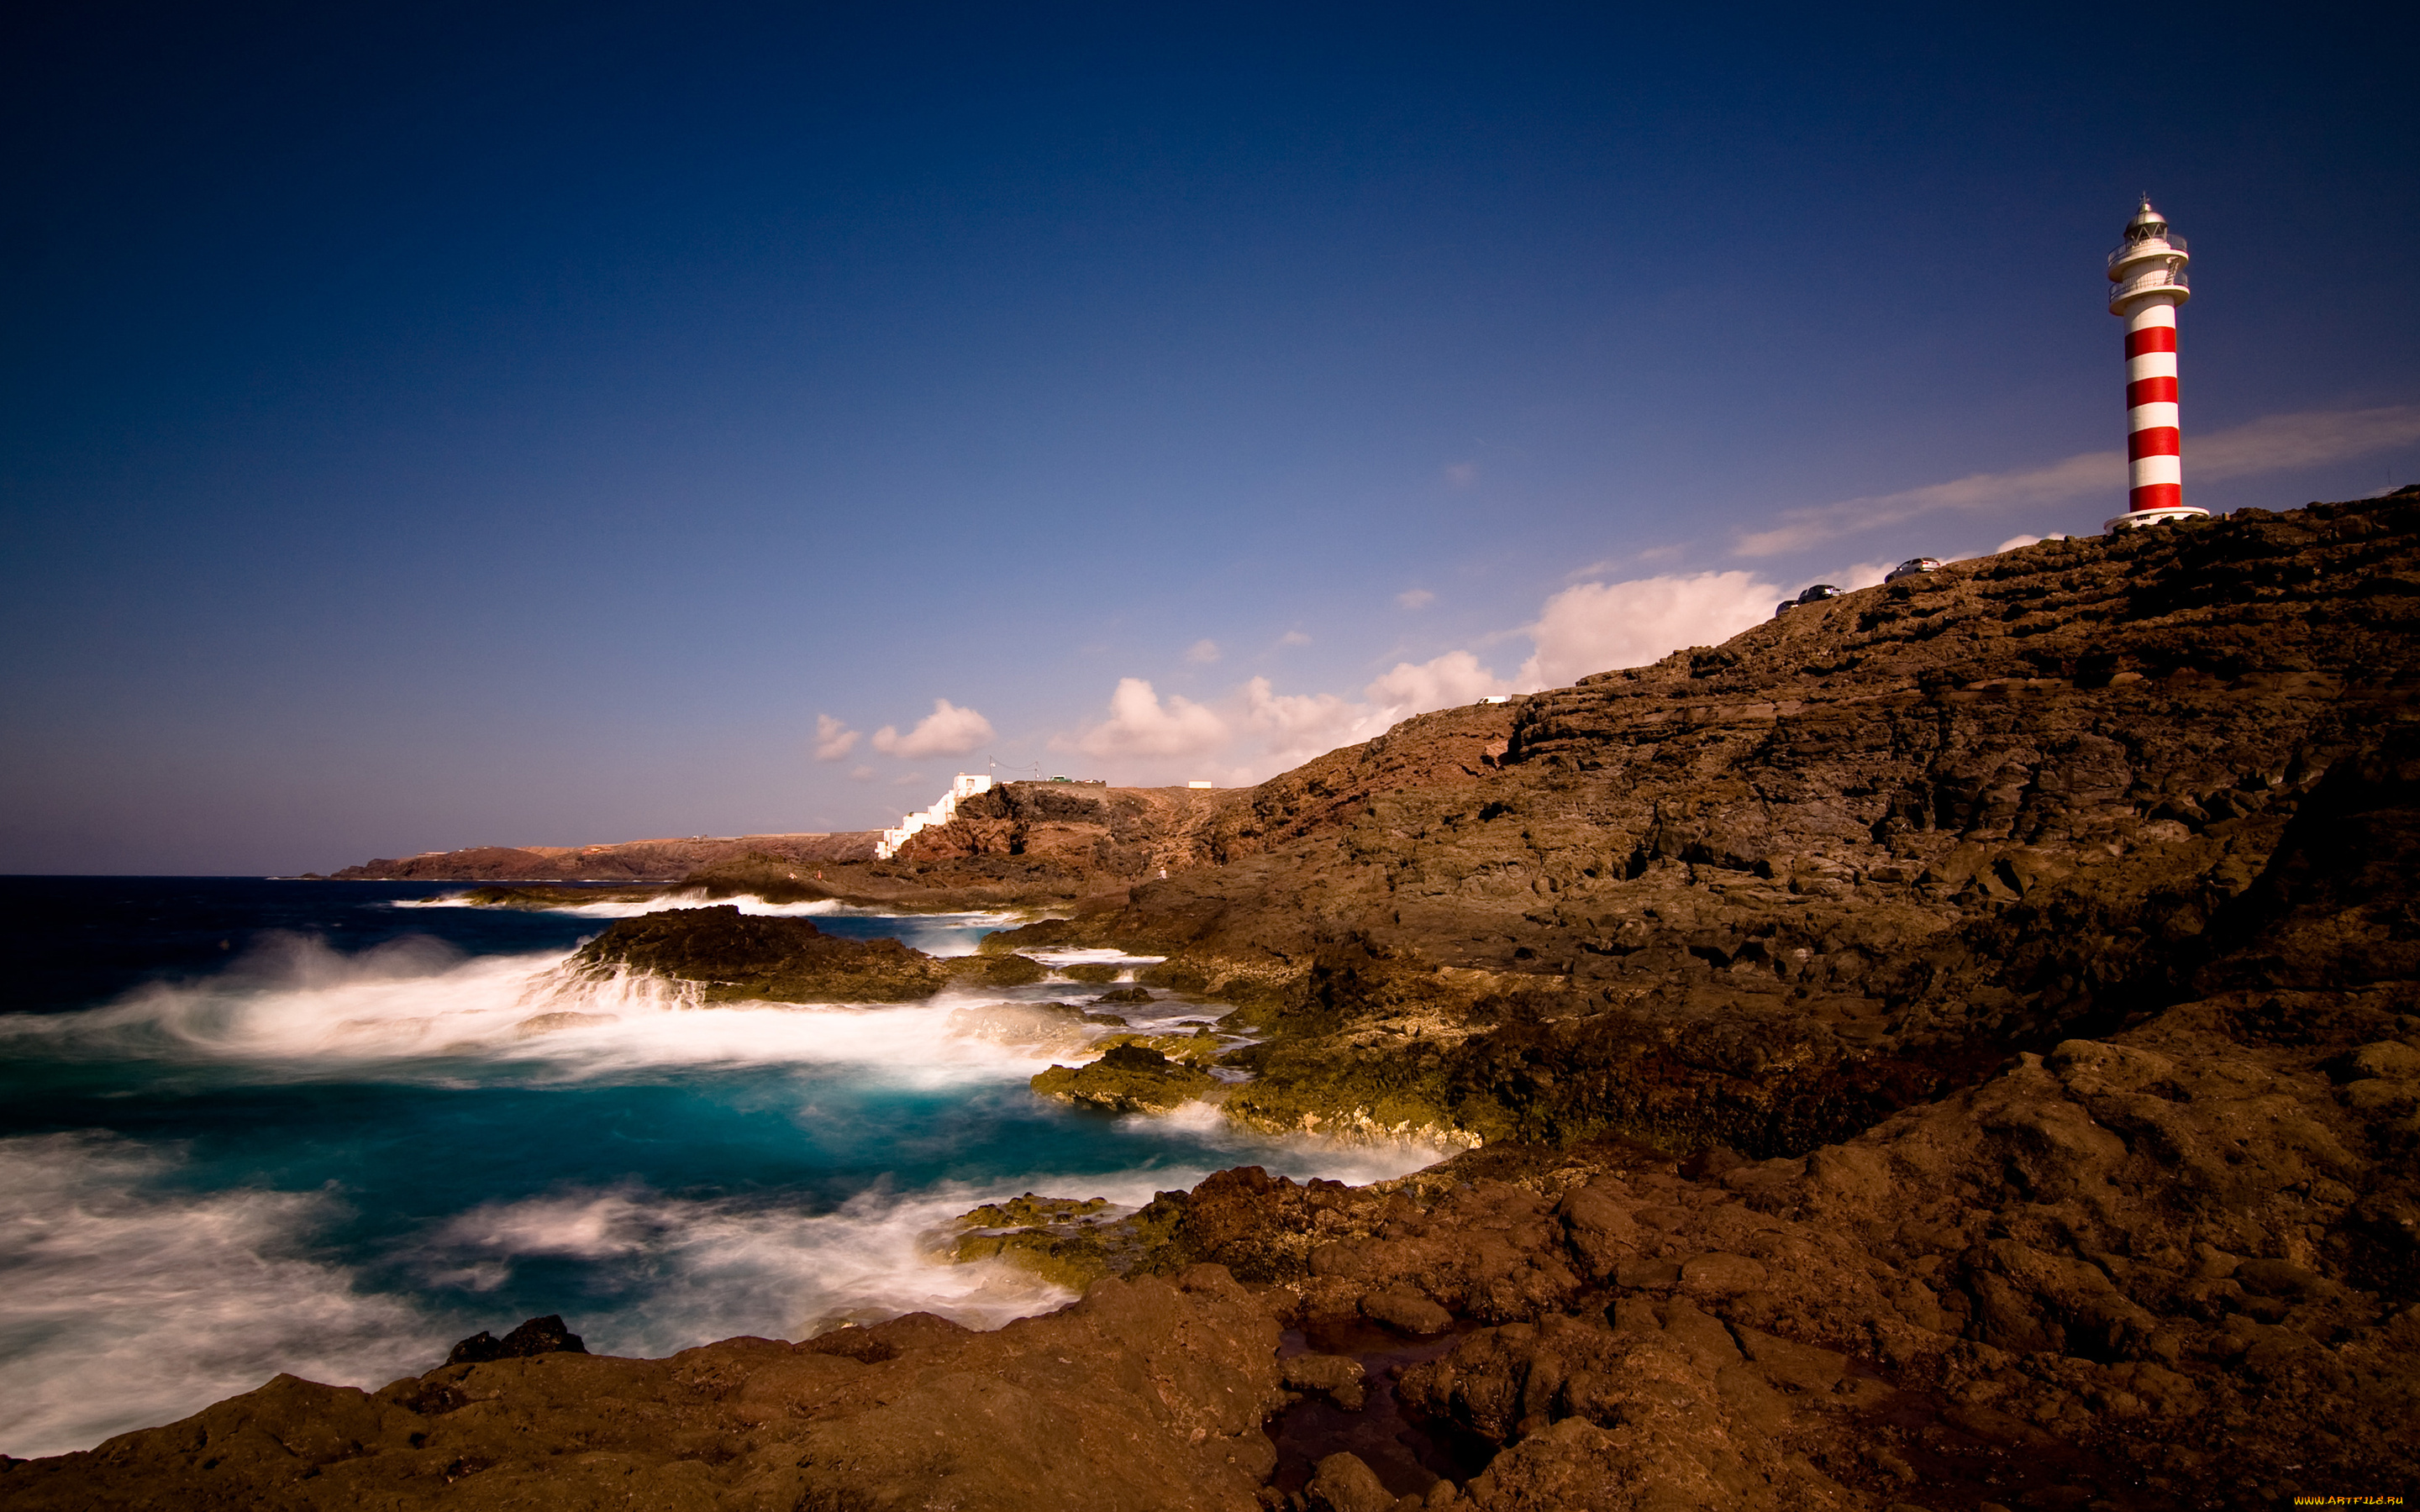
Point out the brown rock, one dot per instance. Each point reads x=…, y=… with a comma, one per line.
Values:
x=539, y=1336
x=1792, y=1363
x=1343, y=1483
x=720, y=955
x=1635, y=1274
x=1333, y=1375
x=1720, y=1275
x=1406, y=1312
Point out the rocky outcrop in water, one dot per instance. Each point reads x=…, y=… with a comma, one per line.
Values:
x=718, y=954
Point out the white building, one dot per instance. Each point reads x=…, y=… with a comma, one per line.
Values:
x=945, y=807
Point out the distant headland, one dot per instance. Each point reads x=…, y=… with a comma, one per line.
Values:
x=631, y=860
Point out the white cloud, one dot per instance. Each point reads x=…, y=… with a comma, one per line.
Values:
x=1415, y=599
x=1862, y=575
x=1256, y=732
x=833, y=739
x=1294, y=727
x=1202, y=652
x=1455, y=677
x=1294, y=637
x=2264, y=445
x=948, y=730
x=1461, y=474
x=2277, y=441
x=2091, y=472
x=1596, y=627
x=861, y=774
x=1141, y=725
x=2015, y=543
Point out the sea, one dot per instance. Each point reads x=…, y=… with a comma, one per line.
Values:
x=252, y=1125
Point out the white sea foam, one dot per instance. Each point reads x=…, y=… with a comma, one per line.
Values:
x=638, y=907
x=126, y=1307
x=1216, y=1145
x=415, y=1009
x=129, y=1302
x=933, y=933
x=130, y=1305
x=715, y=1269
x=1092, y=955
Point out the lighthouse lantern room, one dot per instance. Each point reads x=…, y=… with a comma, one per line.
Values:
x=2147, y=282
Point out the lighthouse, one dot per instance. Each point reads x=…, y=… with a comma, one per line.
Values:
x=2147, y=282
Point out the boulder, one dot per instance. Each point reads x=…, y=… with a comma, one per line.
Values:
x=538, y=1335
x=1406, y=1312
x=1343, y=1483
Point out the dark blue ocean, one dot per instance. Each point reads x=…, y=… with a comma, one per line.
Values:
x=249, y=1126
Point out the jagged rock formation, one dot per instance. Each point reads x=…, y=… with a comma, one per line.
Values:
x=536, y=1336
x=2174, y=1266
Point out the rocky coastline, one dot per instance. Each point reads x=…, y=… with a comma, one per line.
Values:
x=1952, y=1047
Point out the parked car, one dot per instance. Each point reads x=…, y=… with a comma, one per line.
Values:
x=1813, y=596
x=1912, y=567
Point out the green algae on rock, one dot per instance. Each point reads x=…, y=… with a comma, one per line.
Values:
x=1127, y=1078
x=1068, y=1241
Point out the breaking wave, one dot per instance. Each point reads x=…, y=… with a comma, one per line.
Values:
x=127, y=1305
x=296, y=1007
x=340, y=1163
x=933, y=933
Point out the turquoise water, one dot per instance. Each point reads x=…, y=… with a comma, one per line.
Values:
x=248, y=1127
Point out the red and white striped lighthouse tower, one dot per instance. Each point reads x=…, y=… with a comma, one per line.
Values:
x=2146, y=277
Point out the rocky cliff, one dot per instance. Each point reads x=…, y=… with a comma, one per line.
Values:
x=1127, y=833
x=1956, y=1047
x=1761, y=894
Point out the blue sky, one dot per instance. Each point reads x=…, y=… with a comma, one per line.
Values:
x=528, y=425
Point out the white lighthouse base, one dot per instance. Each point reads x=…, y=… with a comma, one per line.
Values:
x=2139, y=518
